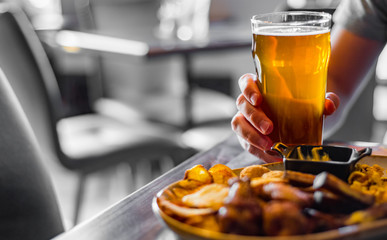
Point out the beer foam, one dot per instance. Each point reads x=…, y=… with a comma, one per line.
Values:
x=290, y=30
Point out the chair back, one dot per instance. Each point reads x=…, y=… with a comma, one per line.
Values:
x=29, y=207
x=25, y=64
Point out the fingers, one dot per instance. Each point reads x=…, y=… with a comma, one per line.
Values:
x=251, y=124
x=258, y=152
x=249, y=88
x=251, y=135
x=268, y=156
x=332, y=102
x=254, y=115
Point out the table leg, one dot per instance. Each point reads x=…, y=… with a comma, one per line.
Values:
x=188, y=101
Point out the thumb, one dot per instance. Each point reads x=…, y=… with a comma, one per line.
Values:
x=332, y=102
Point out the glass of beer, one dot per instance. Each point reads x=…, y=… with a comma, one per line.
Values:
x=291, y=52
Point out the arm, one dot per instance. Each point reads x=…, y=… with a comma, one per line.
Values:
x=352, y=57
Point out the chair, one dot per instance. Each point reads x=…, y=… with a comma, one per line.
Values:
x=29, y=207
x=202, y=105
x=83, y=143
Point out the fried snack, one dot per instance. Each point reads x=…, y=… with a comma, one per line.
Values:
x=221, y=174
x=181, y=211
x=332, y=183
x=369, y=180
x=367, y=175
x=179, y=193
x=329, y=202
x=185, y=187
x=324, y=221
x=258, y=183
x=369, y=215
x=208, y=196
x=242, y=212
x=299, y=178
x=273, y=174
x=284, y=218
x=253, y=171
x=189, y=184
x=198, y=173
x=285, y=192
x=262, y=202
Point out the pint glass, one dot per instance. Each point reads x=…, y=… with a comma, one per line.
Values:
x=291, y=53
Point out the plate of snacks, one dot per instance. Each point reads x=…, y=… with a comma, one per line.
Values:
x=265, y=202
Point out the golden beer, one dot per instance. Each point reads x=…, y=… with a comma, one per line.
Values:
x=291, y=63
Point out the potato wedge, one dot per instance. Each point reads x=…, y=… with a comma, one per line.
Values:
x=198, y=173
x=259, y=182
x=209, y=196
x=185, y=212
x=273, y=174
x=221, y=173
x=253, y=171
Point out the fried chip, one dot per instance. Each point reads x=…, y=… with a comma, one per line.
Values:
x=209, y=196
x=258, y=182
x=185, y=212
x=273, y=174
x=253, y=171
x=198, y=173
x=179, y=193
x=189, y=184
x=221, y=173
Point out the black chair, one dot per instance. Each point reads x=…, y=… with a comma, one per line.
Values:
x=84, y=143
x=29, y=206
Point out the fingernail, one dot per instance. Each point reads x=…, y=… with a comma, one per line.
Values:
x=254, y=99
x=264, y=126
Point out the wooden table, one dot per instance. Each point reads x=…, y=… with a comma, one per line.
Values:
x=133, y=218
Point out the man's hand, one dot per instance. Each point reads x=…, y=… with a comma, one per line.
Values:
x=252, y=125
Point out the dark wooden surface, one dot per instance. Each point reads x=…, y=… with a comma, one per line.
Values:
x=133, y=218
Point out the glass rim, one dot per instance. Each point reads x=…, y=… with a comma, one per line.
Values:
x=325, y=18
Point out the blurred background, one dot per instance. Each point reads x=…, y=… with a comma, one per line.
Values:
x=172, y=63
x=199, y=52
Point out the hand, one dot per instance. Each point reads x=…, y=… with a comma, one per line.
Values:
x=251, y=124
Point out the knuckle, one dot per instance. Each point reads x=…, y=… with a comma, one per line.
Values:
x=249, y=137
x=240, y=100
x=253, y=116
x=236, y=121
x=251, y=149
